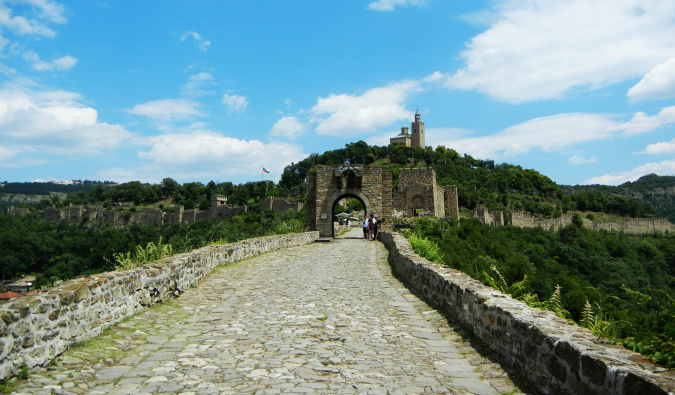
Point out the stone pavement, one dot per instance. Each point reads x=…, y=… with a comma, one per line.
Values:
x=325, y=318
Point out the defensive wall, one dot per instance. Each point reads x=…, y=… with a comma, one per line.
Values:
x=553, y=354
x=146, y=216
x=35, y=329
x=417, y=189
x=279, y=205
x=340, y=229
x=632, y=225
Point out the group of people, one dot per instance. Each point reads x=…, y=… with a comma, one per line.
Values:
x=370, y=227
x=345, y=221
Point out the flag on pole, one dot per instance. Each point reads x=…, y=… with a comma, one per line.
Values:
x=265, y=170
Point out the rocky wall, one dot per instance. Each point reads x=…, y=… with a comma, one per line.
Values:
x=340, y=229
x=34, y=329
x=553, y=354
x=633, y=225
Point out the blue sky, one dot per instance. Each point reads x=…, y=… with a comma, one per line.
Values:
x=581, y=90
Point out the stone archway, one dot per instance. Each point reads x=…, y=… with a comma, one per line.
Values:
x=328, y=184
x=333, y=201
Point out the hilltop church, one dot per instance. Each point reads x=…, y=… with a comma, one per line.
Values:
x=414, y=139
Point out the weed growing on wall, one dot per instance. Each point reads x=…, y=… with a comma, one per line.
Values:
x=142, y=255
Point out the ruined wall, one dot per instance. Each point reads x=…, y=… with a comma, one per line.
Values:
x=16, y=211
x=35, y=329
x=633, y=225
x=148, y=216
x=417, y=189
x=328, y=184
x=451, y=202
x=494, y=218
x=279, y=205
x=552, y=354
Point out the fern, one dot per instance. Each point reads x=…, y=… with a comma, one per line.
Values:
x=143, y=255
x=555, y=304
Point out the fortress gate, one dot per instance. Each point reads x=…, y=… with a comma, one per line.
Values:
x=326, y=185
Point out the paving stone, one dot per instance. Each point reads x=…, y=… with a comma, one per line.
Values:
x=326, y=318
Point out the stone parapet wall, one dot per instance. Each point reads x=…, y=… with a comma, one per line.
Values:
x=340, y=229
x=35, y=329
x=553, y=354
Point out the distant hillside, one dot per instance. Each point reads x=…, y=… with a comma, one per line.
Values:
x=503, y=186
x=44, y=188
x=657, y=191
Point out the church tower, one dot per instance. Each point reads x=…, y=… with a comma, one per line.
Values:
x=417, y=135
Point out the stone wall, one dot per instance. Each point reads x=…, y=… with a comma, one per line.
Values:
x=554, y=355
x=340, y=229
x=34, y=329
x=417, y=189
x=146, y=216
x=495, y=218
x=327, y=185
x=633, y=225
x=279, y=205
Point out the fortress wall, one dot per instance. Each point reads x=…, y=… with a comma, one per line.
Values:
x=451, y=202
x=552, y=354
x=34, y=329
x=633, y=225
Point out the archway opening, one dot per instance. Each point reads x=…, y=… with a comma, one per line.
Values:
x=417, y=206
x=347, y=208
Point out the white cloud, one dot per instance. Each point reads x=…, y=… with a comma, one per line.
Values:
x=389, y=5
x=577, y=160
x=45, y=12
x=540, y=49
x=349, y=115
x=660, y=148
x=202, y=44
x=553, y=133
x=288, y=127
x=641, y=122
x=196, y=84
x=665, y=168
x=167, y=109
x=42, y=122
x=201, y=154
x=659, y=83
x=235, y=102
x=288, y=102
x=64, y=63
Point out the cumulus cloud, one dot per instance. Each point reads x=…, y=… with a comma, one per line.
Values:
x=348, y=115
x=64, y=63
x=196, y=84
x=390, y=5
x=577, y=160
x=200, y=154
x=167, y=109
x=202, y=45
x=540, y=49
x=289, y=127
x=665, y=168
x=660, y=148
x=553, y=133
x=658, y=83
x=235, y=102
x=52, y=122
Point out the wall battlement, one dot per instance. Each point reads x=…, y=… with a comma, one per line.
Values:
x=632, y=225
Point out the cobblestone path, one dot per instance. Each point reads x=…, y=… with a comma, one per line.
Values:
x=325, y=318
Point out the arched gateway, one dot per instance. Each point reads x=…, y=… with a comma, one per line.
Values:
x=326, y=185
